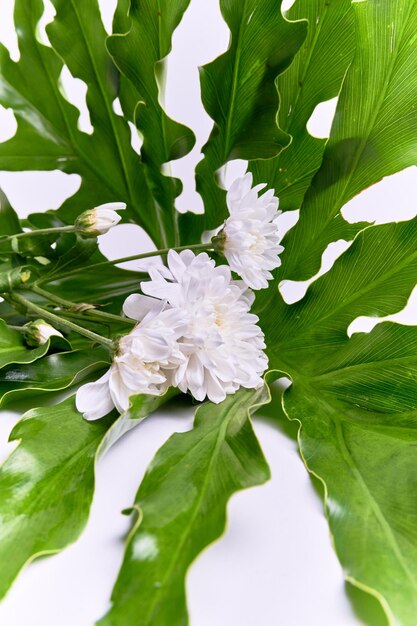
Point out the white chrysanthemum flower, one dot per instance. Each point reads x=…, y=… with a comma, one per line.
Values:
x=37, y=333
x=223, y=345
x=142, y=364
x=250, y=239
x=100, y=220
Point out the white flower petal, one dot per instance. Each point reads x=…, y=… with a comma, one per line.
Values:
x=93, y=400
x=138, y=306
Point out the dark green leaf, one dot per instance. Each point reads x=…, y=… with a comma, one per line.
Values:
x=47, y=137
x=139, y=54
x=9, y=222
x=329, y=44
x=52, y=373
x=240, y=95
x=181, y=508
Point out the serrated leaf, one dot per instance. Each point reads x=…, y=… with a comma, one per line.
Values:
x=47, y=136
x=240, y=95
x=359, y=414
x=47, y=483
x=139, y=53
x=329, y=44
x=373, y=133
x=181, y=506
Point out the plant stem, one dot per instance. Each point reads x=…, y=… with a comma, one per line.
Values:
x=72, y=307
x=40, y=231
x=135, y=257
x=31, y=306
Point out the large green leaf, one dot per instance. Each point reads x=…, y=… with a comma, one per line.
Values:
x=373, y=133
x=47, y=136
x=374, y=277
x=329, y=44
x=359, y=436
x=181, y=508
x=356, y=401
x=240, y=95
x=47, y=483
x=139, y=53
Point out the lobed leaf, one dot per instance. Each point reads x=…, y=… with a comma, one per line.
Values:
x=47, y=136
x=181, y=509
x=329, y=44
x=240, y=95
x=139, y=53
x=47, y=483
x=373, y=132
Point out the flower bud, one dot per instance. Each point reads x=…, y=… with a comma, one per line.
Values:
x=98, y=221
x=38, y=332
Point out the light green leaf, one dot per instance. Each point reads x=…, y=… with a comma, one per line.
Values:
x=47, y=137
x=329, y=44
x=240, y=95
x=373, y=133
x=139, y=53
x=359, y=436
x=47, y=483
x=181, y=508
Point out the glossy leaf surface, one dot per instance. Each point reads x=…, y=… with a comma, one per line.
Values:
x=373, y=133
x=240, y=95
x=181, y=509
x=329, y=44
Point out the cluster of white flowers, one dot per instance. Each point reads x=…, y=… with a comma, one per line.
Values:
x=195, y=330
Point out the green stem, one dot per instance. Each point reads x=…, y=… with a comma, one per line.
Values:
x=72, y=307
x=40, y=231
x=135, y=257
x=31, y=306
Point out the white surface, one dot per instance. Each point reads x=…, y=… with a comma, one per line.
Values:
x=275, y=564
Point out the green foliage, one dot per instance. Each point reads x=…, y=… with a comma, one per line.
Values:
x=180, y=509
x=240, y=95
x=354, y=397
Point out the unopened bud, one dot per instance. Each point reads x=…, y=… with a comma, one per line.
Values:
x=37, y=333
x=14, y=278
x=100, y=220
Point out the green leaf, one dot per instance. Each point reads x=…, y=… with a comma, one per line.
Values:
x=9, y=222
x=240, y=95
x=139, y=53
x=48, y=137
x=47, y=483
x=13, y=348
x=181, y=508
x=359, y=436
x=373, y=133
x=54, y=372
x=374, y=277
x=329, y=44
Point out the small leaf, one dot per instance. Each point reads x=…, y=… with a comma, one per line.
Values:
x=182, y=508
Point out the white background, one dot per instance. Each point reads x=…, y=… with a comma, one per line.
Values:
x=275, y=563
